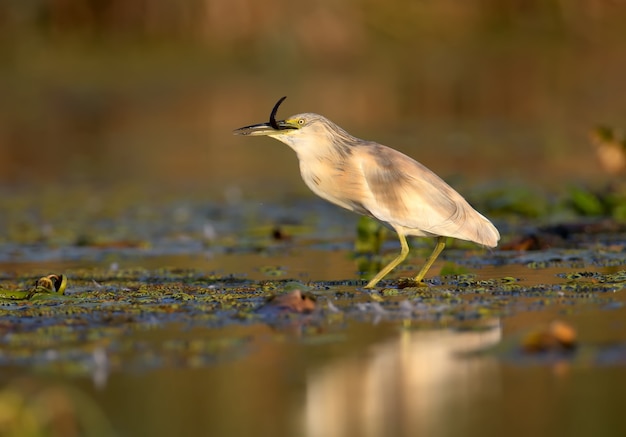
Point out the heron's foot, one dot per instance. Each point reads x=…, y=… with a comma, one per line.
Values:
x=411, y=282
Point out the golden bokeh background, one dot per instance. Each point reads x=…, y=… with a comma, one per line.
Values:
x=147, y=92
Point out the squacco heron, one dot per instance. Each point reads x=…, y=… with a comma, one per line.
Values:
x=377, y=181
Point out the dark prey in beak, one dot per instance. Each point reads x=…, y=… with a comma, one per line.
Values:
x=267, y=128
x=273, y=122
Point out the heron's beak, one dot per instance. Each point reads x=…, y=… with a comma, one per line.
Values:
x=266, y=128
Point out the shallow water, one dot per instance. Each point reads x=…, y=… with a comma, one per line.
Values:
x=155, y=354
x=162, y=330
x=367, y=378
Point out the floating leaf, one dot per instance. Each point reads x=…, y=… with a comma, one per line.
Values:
x=558, y=336
x=45, y=287
x=293, y=302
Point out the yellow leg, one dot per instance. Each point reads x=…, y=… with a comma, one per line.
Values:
x=441, y=243
x=392, y=265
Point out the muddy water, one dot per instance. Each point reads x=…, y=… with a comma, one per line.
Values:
x=161, y=334
x=359, y=372
x=385, y=378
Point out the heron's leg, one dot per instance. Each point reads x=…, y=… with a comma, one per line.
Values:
x=392, y=265
x=441, y=243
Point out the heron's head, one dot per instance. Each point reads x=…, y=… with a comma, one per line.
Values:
x=295, y=131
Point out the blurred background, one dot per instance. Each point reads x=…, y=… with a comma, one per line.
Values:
x=103, y=93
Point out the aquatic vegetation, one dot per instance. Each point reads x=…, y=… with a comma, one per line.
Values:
x=111, y=312
x=100, y=313
x=46, y=287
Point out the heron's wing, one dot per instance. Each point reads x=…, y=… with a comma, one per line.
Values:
x=406, y=194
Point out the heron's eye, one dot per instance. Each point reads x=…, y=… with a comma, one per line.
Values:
x=301, y=121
